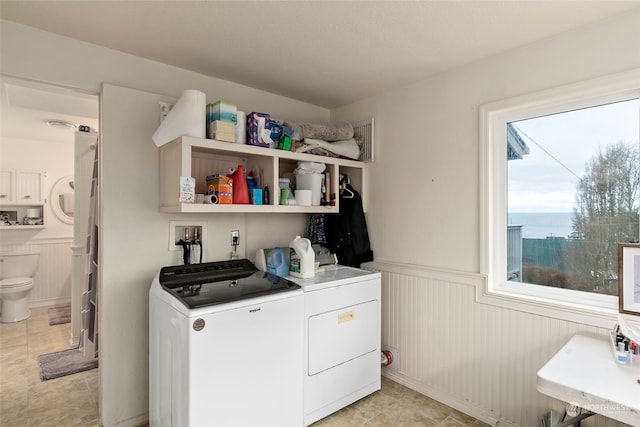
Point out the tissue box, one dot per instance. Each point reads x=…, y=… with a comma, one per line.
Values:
x=222, y=131
x=222, y=110
x=252, y=128
x=221, y=186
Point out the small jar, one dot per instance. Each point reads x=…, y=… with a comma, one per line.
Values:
x=284, y=183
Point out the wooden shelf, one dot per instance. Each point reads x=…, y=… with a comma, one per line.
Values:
x=196, y=157
x=203, y=208
x=20, y=227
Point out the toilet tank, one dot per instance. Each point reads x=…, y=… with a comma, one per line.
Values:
x=18, y=264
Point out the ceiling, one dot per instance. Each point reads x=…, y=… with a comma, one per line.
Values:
x=26, y=107
x=327, y=53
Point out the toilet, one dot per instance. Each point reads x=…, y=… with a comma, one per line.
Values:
x=16, y=281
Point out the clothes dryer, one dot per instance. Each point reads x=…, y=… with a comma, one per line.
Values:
x=341, y=339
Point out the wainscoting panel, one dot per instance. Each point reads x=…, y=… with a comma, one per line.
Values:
x=52, y=282
x=479, y=358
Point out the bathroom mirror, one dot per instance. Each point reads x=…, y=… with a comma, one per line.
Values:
x=62, y=199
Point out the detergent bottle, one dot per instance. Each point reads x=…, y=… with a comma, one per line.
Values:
x=277, y=263
x=240, y=188
x=301, y=258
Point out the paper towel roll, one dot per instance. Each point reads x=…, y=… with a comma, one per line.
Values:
x=187, y=117
x=241, y=127
x=33, y=213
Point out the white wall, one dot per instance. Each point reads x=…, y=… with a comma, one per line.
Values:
x=428, y=139
x=426, y=174
x=136, y=232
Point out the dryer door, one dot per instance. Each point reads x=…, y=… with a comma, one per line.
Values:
x=340, y=335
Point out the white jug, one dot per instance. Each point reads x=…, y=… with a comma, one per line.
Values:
x=301, y=258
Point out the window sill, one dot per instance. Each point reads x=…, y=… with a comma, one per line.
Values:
x=600, y=317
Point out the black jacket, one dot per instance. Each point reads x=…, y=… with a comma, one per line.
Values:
x=346, y=232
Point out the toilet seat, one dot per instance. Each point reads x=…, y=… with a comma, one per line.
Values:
x=15, y=282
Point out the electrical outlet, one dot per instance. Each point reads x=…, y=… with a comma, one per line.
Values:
x=235, y=237
x=165, y=107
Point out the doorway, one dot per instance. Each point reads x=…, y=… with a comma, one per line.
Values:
x=40, y=131
x=40, y=124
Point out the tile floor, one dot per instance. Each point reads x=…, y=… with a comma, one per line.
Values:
x=25, y=401
x=397, y=406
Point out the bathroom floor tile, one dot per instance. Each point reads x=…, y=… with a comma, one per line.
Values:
x=25, y=400
x=13, y=334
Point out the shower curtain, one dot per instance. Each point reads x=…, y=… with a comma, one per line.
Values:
x=89, y=330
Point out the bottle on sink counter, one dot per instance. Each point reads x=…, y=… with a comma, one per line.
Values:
x=301, y=258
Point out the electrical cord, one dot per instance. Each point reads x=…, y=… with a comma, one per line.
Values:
x=198, y=242
x=190, y=247
x=185, y=251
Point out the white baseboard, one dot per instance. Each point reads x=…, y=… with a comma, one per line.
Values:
x=48, y=302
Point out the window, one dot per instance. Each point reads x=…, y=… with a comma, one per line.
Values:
x=561, y=188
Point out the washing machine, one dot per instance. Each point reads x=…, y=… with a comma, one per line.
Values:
x=341, y=339
x=225, y=347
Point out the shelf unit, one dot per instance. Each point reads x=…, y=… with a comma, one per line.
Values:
x=198, y=158
x=19, y=191
x=21, y=227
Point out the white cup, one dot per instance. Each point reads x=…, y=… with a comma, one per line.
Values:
x=303, y=197
x=33, y=213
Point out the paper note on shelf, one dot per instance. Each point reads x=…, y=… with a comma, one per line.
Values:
x=187, y=189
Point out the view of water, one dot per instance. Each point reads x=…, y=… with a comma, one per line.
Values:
x=540, y=225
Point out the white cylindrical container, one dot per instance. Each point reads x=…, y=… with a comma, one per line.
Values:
x=303, y=197
x=313, y=182
x=33, y=213
x=302, y=258
x=241, y=127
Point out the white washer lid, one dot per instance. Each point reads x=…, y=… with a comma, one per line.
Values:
x=12, y=282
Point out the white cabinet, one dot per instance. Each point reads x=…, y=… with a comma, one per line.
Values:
x=198, y=158
x=20, y=192
x=21, y=187
x=7, y=186
x=29, y=187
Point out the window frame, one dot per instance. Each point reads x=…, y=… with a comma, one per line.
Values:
x=573, y=305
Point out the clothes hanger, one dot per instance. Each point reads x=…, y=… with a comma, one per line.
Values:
x=345, y=190
x=349, y=194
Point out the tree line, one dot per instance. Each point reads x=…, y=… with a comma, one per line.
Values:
x=606, y=212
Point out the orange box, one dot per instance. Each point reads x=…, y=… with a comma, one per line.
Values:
x=221, y=186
